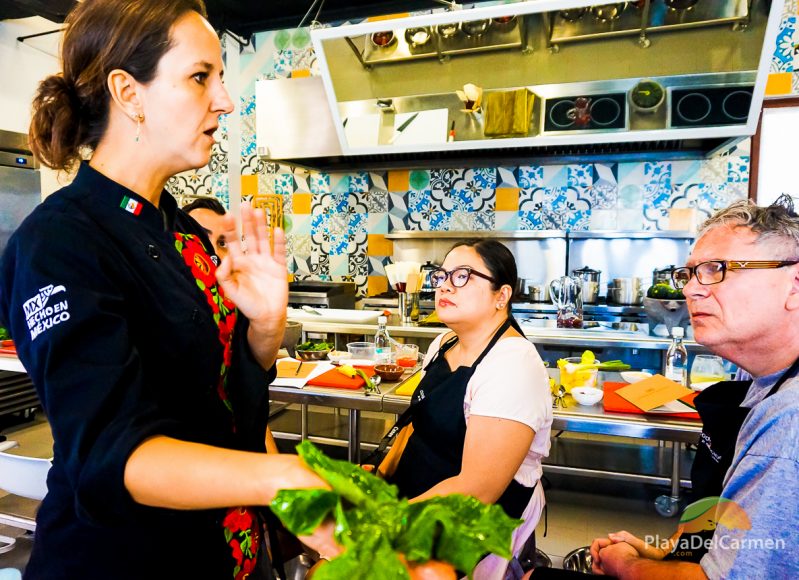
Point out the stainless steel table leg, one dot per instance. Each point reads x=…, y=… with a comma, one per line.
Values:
x=354, y=451
x=669, y=505
x=304, y=421
x=676, y=455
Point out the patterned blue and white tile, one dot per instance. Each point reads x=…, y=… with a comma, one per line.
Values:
x=377, y=265
x=506, y=221
x=738, y=169
x=506, y=177
x=484, y=221
x=320, y=183
x=461, y=221
x=398, y=203
x=530, y=176
x=783, y=57
x=377, y=200
x=339, y=265
x=580, y=175
x=474, y=190
x=378, y=180
x=377, y=223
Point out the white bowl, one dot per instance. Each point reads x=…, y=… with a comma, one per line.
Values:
x=634, y=376
x=587, y=395
x=337, y=356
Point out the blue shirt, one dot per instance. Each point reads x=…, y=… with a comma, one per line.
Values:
x=764, y=481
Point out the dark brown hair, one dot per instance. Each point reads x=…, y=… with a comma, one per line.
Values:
x=70, y=109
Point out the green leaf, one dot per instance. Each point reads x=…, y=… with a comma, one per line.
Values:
x=374, y=525
x=303, y=510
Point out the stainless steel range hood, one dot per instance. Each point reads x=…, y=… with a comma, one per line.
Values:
x=710, y=62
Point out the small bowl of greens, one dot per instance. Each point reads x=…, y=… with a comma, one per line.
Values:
x=313, y=350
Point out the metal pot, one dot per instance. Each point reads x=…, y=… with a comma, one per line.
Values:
x=425, y=274
x=662, y=275
x=680, y=4
x=572, y=15
x=608, y=11
x=590, y=278
x=628, y=291
x=475, y=27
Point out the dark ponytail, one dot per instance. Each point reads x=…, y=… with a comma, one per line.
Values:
x=70, y=109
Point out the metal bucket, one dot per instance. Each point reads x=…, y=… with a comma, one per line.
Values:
x=578, y=560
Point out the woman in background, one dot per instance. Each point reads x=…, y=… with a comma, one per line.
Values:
x=482, y=413
x=151, y=363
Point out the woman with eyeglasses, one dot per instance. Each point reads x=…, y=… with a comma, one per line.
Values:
x=482, y=413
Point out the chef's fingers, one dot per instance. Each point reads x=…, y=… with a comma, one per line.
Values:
x=232, y=239
x=279, y=250
x=248, y=227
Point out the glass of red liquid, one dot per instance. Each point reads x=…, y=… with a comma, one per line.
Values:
x=408, y=355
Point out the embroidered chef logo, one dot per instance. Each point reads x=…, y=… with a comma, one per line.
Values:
x=709, y=512
x=42, y=313
x=202, y=264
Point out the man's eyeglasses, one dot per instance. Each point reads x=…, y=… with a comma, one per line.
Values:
x=458, y=276
x=713, y=271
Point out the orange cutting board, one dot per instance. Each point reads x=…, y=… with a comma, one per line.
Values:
x=617, y=404
x=337, y=380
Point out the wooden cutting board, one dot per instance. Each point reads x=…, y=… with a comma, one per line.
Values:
x=287, y=369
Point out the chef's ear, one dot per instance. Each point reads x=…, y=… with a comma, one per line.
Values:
x=124, y=92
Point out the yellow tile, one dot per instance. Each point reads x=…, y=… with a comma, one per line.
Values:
x=399, y=180
x=301, y=203
x=779, y=84
x=291, y=277
x=388, y=16
x=300, y=73
x=376, y=285
x=507, y=199
x=249, y=185
x=378, y=245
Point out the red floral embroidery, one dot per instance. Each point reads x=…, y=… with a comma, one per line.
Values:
x=241, y=525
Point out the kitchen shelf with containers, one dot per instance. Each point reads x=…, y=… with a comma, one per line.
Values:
x=553, y=114
x=641, y=17
x=438, y=41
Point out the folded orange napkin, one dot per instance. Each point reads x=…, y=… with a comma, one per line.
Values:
x=616, y=404
x=337, y=380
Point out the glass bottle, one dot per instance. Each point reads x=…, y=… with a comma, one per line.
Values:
x=382, y=342
x=677, y=358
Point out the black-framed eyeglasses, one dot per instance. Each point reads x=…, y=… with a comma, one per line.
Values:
x=458, y=276
x=714, y=271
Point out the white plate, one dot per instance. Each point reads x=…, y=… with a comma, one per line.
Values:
x=335, y=315
x=634, y=376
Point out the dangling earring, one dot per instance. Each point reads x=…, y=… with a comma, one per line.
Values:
x=500, y=306
x=138, y=118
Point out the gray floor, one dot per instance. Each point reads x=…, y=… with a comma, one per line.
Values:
x=579, y=508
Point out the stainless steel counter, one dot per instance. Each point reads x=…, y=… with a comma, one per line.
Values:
x=573, y=418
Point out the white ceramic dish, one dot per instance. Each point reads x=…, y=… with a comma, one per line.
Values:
x=634, y=376
x=587, y=395
x=701, y=386
x=359, y=362
x=339, y=356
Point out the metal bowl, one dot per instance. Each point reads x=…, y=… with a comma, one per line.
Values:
x=383, y=39
x=578, y=560
x=475, y=27
x=312, y=354
x=417, y=36
x=448, y=30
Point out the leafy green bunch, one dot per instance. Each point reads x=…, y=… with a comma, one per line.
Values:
x=314, y=346
x=375, y=526
x=4, y=335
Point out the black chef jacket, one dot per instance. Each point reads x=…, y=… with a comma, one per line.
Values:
x=121, y=345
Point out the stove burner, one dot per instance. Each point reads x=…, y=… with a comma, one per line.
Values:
x=605, y=111
x=694, y=107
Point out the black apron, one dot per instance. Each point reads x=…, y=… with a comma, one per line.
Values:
x=434, y=451
x=719, y=407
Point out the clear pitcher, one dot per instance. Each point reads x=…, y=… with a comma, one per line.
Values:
x=566, y=294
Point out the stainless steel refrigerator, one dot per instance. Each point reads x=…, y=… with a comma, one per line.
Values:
x=20, y=183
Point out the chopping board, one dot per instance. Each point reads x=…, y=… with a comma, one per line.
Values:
x=288, y=369
x=7, y=347
x=616, y=404
x=337, y=380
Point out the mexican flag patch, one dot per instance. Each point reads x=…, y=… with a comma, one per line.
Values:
x=131, y=205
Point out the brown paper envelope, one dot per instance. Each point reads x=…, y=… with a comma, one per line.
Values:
x=287, y=369
x=653, y=392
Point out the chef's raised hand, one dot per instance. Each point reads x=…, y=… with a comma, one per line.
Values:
x=253, y=275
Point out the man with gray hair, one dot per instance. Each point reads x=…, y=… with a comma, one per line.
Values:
x=741, y=284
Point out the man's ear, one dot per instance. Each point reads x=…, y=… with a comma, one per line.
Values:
x=124, y=93
x=792, y=302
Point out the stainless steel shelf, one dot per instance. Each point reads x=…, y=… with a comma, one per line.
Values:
x=516, y=234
